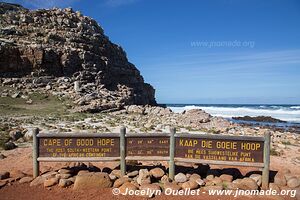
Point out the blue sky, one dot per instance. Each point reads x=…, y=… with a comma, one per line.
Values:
x=205, y=51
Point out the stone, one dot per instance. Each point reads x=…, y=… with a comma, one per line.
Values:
x=257, y=178
x=94, y=180
x=247, y=184
x=226, y=177
x=191, y=184
x=65, y=182
x=15, y=95
x=165, y=179
x=194, y=177
x=28, y=135
x=63, y=176
x=293, y=182
x=210, y=177
x=9, y=146
x=26, y=179
x=49, y=174
x=116, y=172
x=217, y=181
x=65, y=171
x=37, y=181
x=288, y=176
x=157, y=172
x=15, y=134
x=180, y=178
x=51, y=182
x=280, y=180
x=120, y=181
x=133, y=173
x=4, y=175
x=127, y=186
x=143, y=177
x=200, y=182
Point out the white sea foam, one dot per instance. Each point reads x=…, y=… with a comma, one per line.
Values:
x=278, y=112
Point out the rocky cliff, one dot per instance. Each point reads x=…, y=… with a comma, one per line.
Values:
x=54, y=48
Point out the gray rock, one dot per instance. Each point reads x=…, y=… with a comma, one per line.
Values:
x=180, y=178
x=65, y=182
x=9, y=146
x=92, y=180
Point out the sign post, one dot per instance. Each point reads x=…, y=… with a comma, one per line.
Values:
x=122, y=151
x=35, y=153
x=172, y=154
x=265, y=172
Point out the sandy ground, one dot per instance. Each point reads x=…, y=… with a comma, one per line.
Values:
x=21, y=159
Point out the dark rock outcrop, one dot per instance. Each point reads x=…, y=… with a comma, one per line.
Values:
x=63, y=43
x=267, y=119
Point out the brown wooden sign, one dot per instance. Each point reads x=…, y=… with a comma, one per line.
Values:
x=79, y=147
x=193, y=148
x=219, y=149
x=148, y=146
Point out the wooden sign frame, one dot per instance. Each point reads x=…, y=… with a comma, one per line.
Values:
x=164, y=141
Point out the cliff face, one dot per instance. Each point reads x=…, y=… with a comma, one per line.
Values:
x=64, y=43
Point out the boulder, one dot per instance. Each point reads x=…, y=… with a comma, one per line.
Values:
x=191, y=184
x=133, y=173
x=127, y=186
x=226, y=177
x=180, y=178
x=65, y=182
x=120, y=182
x=194, y=177
x=143, y=177
x=15, y=134
x=26, y=179
x=293, y=182
x=94, y=180
x=157, y=172
x=280, y=180
x=165, y=179
x=257, y=178
x=9, y=146
x=37, y=181
x=247, y=184
x=51, y=182
x=200, y=182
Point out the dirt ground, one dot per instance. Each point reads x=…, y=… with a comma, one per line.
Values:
x=21, y=159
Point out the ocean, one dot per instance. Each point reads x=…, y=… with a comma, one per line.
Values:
x=289, y=113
